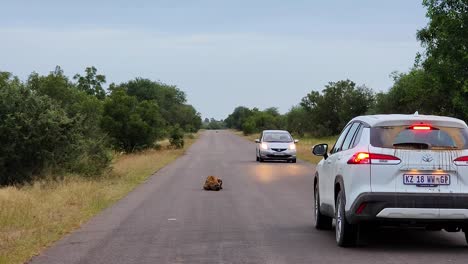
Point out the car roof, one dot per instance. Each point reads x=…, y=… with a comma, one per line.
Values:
x=398, y=119
x=272, y=131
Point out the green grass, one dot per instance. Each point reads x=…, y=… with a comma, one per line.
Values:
x=304, y=147
x=33, y=217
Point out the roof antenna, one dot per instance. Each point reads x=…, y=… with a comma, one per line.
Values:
x=416, y=113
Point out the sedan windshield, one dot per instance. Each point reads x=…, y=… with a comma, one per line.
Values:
x=276, y=137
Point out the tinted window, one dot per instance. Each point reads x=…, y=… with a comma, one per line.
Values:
x=350, y=136
x=357, y=137
x=403, y=137
x=339, y=141
x=276, y=137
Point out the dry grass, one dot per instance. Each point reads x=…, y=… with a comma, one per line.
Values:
x=32, y=217
x=304, y=147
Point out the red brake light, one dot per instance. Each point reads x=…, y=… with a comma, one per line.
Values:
x=373, y=158
x=421, y=127
x=461, y=161
x=359, y=158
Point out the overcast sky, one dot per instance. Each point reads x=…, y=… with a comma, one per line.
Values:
x=221, y=53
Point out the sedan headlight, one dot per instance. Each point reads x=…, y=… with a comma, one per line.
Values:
x=292, y=146
x=264, y=146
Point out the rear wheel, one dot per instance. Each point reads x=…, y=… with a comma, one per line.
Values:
x=466, y=234
x=293, y=161
x=346, y=233
x=322, y=222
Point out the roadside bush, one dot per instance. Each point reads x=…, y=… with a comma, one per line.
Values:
x=177, y=137
x=35, y=133
x=248, y=127
x=170, y=100
x=132, y=125
x=50, y=125
x=91, y=147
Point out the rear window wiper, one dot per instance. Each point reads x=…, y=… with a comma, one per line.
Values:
x=416, y=145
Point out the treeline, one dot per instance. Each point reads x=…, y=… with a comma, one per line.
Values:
x=318, y=114
x=213, y=124
x=437, y=84
x=53, y=125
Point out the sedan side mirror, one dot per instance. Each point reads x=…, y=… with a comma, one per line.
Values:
x=320, y=150
x=296, y=140
x=257, y=141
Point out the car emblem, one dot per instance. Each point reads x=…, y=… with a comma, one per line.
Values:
x=427, y=158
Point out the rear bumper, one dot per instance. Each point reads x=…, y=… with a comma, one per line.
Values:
x=409, y=206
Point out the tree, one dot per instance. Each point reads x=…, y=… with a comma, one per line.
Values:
x=297, y=120
x=446, y=56
x=91, y=83
x=238, y=117
x=132, y=125
x=171, y=102
x=37, y=134
x=339, y=102
x=411, y=92
x=249, y=126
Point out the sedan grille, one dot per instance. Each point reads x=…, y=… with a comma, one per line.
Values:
x=279, y=149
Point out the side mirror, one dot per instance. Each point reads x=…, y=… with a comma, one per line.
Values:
x=320, y=150
x=296, y=140
x=257, y=141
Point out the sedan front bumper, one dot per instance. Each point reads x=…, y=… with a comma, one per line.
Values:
x=275, y=155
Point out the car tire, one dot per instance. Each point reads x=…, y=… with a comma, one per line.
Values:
x=322, y=222
x=293, y=161
x=257, y=159
x=466, y=235
x=260, y=159
x=345, y=233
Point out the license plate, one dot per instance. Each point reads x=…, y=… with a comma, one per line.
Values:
x=424, y=180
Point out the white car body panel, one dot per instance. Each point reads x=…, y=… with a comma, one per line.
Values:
x=382, y=178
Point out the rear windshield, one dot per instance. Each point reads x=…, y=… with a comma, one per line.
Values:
x=276, y=137
x=404, y=137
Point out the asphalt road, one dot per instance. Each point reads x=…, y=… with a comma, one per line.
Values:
x=263, y=215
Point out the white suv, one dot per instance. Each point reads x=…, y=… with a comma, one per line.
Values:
x=394, y=169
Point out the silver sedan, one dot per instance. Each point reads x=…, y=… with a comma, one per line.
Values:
x=276, y=145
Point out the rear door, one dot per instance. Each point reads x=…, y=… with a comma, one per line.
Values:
x=327, y=177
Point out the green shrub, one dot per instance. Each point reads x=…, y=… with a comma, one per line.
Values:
x=132, y=125
x=177, y=137
x=35, y=134
x=91, y=148
x=248, y=127
x=46, y=126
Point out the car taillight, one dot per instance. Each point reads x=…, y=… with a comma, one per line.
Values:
x=461, y=161
x=422, y=127
x=373, y=158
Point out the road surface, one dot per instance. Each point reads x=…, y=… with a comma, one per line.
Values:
x=263, y=215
